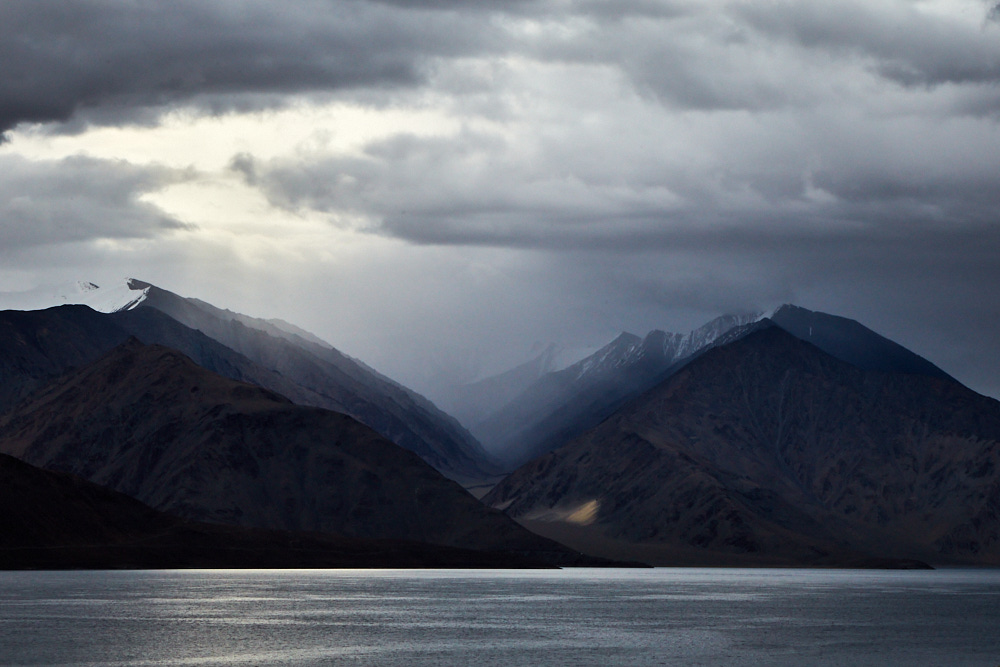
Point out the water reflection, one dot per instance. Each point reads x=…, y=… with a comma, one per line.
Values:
x=571, y=617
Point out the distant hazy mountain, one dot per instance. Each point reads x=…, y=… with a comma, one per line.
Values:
x=148, y=422
x=471, y=403
x=282, y=357
x=767, y=450
x=54, y=520
x=562, y=404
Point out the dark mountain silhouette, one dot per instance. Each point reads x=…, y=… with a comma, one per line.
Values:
x=767, y=450
x=148, y=422
x=36, y=346
x=54, y=520
x=155, y=327
x=851, y=341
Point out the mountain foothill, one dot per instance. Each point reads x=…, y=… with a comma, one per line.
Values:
x=167, y=432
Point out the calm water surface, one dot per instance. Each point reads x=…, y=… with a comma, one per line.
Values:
x=485, y=618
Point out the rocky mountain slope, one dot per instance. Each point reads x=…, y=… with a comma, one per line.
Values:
x=148, y=422
x=767, y=450
x=332, y=380
x=271, y=353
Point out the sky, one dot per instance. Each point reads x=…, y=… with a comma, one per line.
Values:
x=438, y=187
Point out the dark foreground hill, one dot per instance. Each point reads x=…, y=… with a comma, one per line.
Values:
x=148, y=422
x=38, y=345
x=769, y=451
x=56, y=521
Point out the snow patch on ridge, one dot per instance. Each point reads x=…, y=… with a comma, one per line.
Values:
x=616, y=353
x=628, y=349
x=123, y=295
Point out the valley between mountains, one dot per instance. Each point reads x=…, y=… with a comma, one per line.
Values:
x=139, y=428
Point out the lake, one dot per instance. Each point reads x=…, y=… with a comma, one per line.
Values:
x=573, y=617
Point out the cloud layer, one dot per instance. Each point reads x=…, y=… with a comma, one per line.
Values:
x=768, y=119
x=78, y=199
x=112, y=62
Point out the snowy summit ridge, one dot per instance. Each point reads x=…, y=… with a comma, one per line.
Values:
x=665, y=347
x=125, y=294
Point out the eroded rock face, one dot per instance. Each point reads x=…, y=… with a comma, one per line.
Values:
x=148, y=422
x=769, y=450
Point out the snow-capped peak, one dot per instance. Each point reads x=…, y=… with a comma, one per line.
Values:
x=122, y=295
x=662, y=347
x=616, y=353
x=708, y=333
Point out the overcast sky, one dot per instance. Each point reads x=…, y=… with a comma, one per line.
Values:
x=434, y=186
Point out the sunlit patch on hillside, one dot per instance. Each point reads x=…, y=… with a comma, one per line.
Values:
x=583, y=514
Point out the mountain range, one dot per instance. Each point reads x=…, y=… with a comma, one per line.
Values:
x=562, y=404
x=786, y=438
x=271, y=353
x=334, y=381
x=770, y=451
x=146, y=421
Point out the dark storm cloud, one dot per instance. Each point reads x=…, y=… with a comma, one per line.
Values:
x=614, y=10
x=78, y=199
x=130, y=60
x=901, y=43
x=606, y=9
x=481, y=189
x=116, y=62
x=751, y=55
x=467, y=5
x=465, y=190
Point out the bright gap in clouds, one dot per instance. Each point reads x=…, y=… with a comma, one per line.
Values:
x=375, y=297
x=183, y=139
